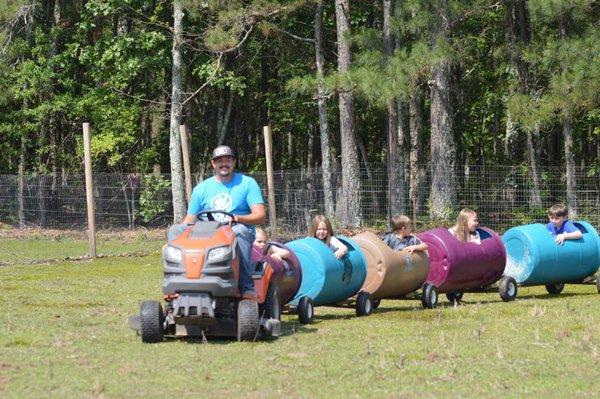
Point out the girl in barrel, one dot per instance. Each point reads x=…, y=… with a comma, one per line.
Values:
x=322, y=230
x=465, y=228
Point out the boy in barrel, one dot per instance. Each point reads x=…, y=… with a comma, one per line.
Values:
x=560, y=226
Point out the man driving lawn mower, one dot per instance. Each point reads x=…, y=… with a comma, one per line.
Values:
x=239, y=195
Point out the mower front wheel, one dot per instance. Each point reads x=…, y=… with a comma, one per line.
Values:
x=151, y=322
x=248, y=321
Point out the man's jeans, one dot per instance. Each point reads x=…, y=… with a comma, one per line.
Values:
x=245, y=238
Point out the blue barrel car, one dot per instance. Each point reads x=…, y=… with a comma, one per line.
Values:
x=327, y=280
x=534, y=258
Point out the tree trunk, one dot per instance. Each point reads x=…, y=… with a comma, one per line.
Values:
x=290, y=147
x=157, y=122
x=563, y=25
x=535, y=201
x=395, y=168
x=323, y=122
x=310, y=153
x=443, y=147
x=177, y=188
x=224, y=122
x=519, y=36
x=417, y=153
x=403, y=136
x=54, y=128
x=351, y=212
x=570, y=168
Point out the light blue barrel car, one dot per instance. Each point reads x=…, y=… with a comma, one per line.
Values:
x=327, y=280
x=534, y=258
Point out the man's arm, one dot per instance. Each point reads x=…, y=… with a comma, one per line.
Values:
x=189, y=219
x=257, y=215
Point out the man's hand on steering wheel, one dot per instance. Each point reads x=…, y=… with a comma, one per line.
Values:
x=232, y=219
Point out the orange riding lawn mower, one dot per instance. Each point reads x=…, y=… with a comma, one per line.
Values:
x=200, y=287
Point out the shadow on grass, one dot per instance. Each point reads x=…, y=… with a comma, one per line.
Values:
x=288, y=329
x=561, y=295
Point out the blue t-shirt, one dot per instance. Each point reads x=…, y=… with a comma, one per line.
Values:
x=235, y=196
x=567, y=227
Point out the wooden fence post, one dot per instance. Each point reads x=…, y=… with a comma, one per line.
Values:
x=89, y=190
x=270, y=181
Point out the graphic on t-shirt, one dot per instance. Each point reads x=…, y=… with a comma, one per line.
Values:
x=221, y=202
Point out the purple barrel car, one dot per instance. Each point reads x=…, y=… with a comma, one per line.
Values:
x=457, y=266
x=286, y=277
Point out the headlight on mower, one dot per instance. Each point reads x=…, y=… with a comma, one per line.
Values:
x=218, y=254
x=172, y=254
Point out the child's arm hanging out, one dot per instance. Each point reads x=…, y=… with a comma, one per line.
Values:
x=339, y=249
x=418, y=245
x=278, y=253
x=574, y=235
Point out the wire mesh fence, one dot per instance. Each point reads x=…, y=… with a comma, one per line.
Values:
x=502, y=195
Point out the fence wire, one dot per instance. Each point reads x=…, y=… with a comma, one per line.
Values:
x=501, y=195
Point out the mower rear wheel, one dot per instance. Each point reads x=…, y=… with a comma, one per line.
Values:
x=306, y=310
x=598, y=284
x=151, y=322
x=271, y=308
x=507, y=289
x=429, y=296
x=555, y=289
x=364, y=304
x=248, y=321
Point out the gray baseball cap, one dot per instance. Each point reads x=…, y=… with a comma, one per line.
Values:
x=222, y=151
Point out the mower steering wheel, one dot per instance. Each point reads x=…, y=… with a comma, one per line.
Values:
x=210, y=217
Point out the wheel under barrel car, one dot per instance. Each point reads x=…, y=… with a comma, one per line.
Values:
x=364, y=304
x=429, y=296
x=507, y=288
x=151, y=322
x=376, y=303
x=306, y=310
x=271, y=308
x=454, y=296
x=555, y=288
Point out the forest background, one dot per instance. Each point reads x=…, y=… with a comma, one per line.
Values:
x=418, y=96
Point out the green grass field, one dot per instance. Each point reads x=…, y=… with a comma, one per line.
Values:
x=39, y=247
x=64, y=334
